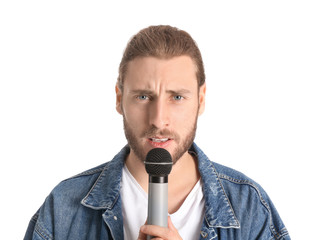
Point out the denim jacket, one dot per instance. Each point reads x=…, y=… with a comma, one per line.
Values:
x=88, y=206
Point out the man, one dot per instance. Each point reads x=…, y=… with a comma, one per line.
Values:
x=160, y=93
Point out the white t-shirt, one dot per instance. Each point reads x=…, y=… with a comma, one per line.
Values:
x=188, y=219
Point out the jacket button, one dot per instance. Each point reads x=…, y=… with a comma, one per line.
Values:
x=204, y=234
x=115, y=218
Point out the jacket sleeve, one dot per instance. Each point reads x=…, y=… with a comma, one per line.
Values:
x=35, y=229
x=30, y=228
x=31, y=233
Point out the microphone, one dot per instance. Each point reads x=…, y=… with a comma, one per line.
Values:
x=158, y=165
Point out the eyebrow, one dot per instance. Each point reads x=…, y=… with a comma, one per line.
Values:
x=141, y=91
x=180, y=91
x=149, y=92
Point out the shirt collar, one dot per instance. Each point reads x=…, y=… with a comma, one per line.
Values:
x=218, y=210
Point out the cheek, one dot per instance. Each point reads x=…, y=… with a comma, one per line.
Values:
x=184, y=118
x=134, y=116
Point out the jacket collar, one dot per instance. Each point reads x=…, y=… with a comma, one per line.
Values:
x=106, y=190
x=218, y=210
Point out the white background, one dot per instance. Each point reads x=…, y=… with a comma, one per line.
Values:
x=58, y=67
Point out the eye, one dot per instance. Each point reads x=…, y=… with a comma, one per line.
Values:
x=142, y=97
x=178, y=98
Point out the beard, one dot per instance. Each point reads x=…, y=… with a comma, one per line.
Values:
x=182, y=146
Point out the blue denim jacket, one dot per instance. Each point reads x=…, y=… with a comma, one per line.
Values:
x=88, y=206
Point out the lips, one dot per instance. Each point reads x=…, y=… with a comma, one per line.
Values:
x=161, y=142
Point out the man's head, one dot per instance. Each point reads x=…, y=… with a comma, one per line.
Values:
x=161, y=91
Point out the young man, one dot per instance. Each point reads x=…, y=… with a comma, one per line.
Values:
x=160, y=93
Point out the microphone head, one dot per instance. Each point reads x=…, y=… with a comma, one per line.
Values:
x=158, y=162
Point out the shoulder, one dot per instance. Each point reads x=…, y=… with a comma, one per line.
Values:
x=84, y=181
x=233, y=176
x=63, y=212
x=80, y=183
x=75, y=188
x=240, y=188
x=64, y=198
x=251, y=204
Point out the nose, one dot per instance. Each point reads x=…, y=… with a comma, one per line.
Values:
x=159, y=114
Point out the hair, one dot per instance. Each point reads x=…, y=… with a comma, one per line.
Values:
x=163, y=42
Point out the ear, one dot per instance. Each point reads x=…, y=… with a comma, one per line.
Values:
x=202, y=92
x=119, y=96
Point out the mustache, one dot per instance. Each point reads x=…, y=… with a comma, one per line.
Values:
x=154, y=131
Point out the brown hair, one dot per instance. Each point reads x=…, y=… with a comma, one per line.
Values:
x=161, y=42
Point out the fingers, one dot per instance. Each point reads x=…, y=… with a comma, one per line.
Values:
x=160, y=232
x=170, y=225
x=141, y=235
x=153, y=230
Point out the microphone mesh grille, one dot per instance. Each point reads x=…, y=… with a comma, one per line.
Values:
x=158, y=162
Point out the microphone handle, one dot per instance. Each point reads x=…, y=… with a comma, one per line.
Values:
x=157, y=202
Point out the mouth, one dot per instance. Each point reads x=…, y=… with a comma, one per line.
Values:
x=159, y=140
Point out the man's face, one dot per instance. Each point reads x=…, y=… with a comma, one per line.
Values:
x=160, y=105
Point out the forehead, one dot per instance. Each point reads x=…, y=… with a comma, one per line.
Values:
x=148, y=72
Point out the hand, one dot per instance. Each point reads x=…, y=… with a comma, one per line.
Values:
x=169, y=233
